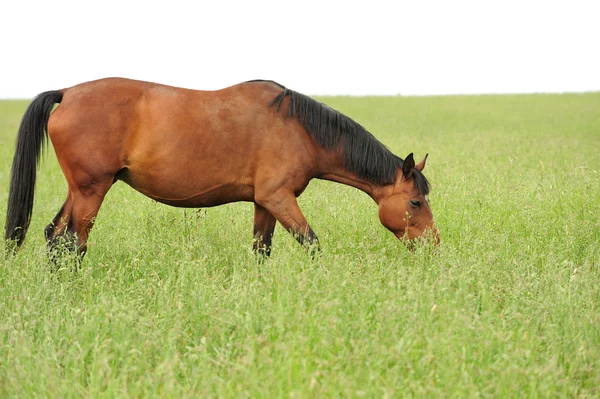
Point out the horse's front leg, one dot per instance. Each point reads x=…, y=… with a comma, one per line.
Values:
x=284, y=207
x=264, y=225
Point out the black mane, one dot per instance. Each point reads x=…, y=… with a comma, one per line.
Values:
x=363, y=154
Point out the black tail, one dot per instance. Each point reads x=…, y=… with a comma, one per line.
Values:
x=31, y=138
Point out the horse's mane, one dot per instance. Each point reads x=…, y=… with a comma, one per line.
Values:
x=363, y=154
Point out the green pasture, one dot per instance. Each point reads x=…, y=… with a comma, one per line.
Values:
x=173, y=304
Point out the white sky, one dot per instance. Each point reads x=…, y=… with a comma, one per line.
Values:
x=315, y=47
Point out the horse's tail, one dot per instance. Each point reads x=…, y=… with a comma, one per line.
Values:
x=32, y=137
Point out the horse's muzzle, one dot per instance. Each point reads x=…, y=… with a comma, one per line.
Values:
x=430, y=235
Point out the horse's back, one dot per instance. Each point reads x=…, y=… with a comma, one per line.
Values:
x=118, y=104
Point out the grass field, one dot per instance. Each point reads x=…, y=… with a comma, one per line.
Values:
x=172, y=303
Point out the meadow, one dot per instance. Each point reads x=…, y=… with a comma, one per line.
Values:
x=173, y=303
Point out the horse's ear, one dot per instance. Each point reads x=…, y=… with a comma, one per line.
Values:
x=408, y=167
x=421, y=165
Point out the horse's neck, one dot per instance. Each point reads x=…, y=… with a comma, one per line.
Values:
x=331, y=168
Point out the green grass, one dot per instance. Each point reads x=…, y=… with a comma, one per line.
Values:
x=172, y=303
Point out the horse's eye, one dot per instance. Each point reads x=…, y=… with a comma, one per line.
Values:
x=415, y=203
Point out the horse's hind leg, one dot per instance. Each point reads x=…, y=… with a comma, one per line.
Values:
x=73, y=223
x=58, y=228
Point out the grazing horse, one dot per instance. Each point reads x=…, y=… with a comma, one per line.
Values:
x=256, y=141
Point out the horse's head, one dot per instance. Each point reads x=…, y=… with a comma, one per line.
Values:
x=404, y=209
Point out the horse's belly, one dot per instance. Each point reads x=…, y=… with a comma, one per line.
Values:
x=188, y=193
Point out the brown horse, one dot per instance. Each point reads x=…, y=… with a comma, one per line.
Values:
x=190, y=148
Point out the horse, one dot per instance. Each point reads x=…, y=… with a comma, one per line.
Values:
x=256, y=141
